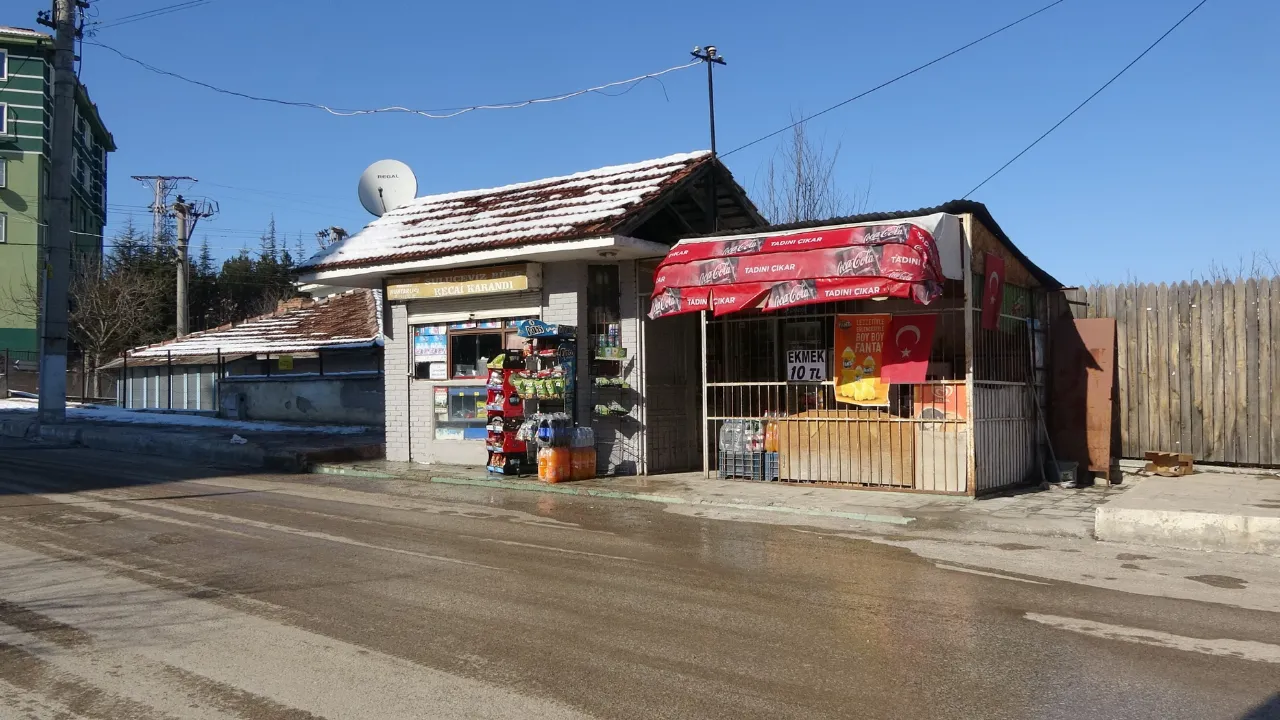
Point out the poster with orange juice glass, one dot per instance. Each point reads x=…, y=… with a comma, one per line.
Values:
x=859, y=354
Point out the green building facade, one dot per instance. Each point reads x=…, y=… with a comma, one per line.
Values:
x=26, y=130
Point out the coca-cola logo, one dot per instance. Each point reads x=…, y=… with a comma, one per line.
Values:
x=900, y=275
x=792, y=293
x=717, y=272
x=748, y=246
x=859, y=261
x=664, y=304
x=885, y=234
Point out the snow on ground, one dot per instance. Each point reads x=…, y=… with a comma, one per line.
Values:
x=99, y=413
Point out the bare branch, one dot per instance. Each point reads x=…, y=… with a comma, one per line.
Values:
x=800, y=182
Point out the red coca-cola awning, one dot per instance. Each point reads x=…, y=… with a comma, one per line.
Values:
x=813, y=265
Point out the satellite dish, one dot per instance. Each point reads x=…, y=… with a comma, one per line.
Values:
x=386, y=185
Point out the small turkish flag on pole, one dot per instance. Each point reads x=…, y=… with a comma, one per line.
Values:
x=992, y=291
x=907, y=344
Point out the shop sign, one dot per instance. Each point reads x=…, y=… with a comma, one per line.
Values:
x=806, y=365
x=438, y=371
x=860, y=353
x=284, y=362
x=466, y=281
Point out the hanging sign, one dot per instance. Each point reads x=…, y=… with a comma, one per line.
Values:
x=860, y=354
x=806, y=365
x=468, y=281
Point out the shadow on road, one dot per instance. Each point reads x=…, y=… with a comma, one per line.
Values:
x=1269, y=710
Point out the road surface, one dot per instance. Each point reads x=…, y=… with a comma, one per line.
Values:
x=142, y=588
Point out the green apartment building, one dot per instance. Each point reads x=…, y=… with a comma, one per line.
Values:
x=26, y=122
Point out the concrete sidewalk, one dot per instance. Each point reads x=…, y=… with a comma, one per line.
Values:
x=1051, y=512
x=1203, y=511
x=276, y=450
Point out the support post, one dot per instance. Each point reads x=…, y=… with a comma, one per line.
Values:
x=56, y=270
x=706, y=425
x=168, y=371
x=217, y=384
x=124, y=380
x=966, y=264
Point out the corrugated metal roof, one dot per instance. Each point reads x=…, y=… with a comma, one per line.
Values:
x=954, y=207
x=346, y=320
x=24, y=32
x=583, y=205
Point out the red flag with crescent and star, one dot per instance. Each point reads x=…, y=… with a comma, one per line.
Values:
x=992, y=291
x=907, y=344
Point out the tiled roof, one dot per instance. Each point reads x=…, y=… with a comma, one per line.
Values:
x=583, y=205
x=350, y=319
x=23, y=32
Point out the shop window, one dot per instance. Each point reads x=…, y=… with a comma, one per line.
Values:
x=460, y=351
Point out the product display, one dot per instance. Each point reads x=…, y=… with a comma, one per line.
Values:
x=505, y=412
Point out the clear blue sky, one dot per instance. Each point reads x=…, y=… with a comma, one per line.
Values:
x=1172, y=167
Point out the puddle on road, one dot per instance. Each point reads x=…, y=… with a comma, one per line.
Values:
x=1220, y=581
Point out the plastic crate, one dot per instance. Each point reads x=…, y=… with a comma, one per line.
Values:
x=759, y=466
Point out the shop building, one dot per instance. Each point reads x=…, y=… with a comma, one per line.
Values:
x=894, y=351
x=462, y=270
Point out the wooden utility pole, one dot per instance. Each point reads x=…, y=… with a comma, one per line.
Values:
x=187, y=213
x=57, y=256
x=181, y=209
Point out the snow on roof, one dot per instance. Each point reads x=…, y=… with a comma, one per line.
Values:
x=349, y=320
x=578, y=206
x=23, y=32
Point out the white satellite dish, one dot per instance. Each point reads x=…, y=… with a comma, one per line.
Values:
x=386, y=185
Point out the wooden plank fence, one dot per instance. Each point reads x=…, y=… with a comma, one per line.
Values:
x=1197, y=365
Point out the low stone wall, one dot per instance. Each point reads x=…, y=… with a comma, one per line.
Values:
x=341, y=399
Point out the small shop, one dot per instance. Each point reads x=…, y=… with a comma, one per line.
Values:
x=895, y=351
x=515, y=318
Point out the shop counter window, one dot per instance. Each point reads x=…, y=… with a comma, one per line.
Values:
x=460, y=412
x=461, y=350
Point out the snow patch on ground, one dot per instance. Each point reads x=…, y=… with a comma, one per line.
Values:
x=99, y=413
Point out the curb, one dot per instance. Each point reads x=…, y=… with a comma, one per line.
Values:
x=541, y=487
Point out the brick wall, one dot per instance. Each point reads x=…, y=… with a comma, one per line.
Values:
x=396, y=381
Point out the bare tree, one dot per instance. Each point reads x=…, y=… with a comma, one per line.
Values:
x=1260, y=265
x=800, y=184
x=110, y=311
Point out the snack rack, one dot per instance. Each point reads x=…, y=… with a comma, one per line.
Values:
x=505, y=409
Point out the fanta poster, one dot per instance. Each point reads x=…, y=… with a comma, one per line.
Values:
x=859, y=359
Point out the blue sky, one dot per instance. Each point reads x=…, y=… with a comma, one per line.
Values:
x=1171, y=168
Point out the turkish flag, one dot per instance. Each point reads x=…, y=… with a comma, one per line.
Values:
x=992, y=291
x=907, y=344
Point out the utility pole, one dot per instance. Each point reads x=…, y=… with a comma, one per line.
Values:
x=53, y=318
x=711, y=58
x=163, y=185
x=188, y=214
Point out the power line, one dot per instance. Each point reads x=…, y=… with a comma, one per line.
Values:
x=439, y=114
x=1095, y=93
x=145, y=15
x=887, y=83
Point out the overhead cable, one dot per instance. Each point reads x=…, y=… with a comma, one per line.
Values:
x=891, y=81
x=439, y=114
x=1095, y=94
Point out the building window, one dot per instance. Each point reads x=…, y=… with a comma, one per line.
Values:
x=4, y=228
x=4, y=172
x=4, y=64
x=460, y=351
x=4, y=119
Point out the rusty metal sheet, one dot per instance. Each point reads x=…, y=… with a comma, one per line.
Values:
x=1082, y=404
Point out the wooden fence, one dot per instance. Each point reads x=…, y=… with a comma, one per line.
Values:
x=1197, y=366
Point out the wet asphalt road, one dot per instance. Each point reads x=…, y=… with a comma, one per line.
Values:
x=143, y=588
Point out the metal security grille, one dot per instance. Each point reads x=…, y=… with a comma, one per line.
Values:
x=919, y=442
